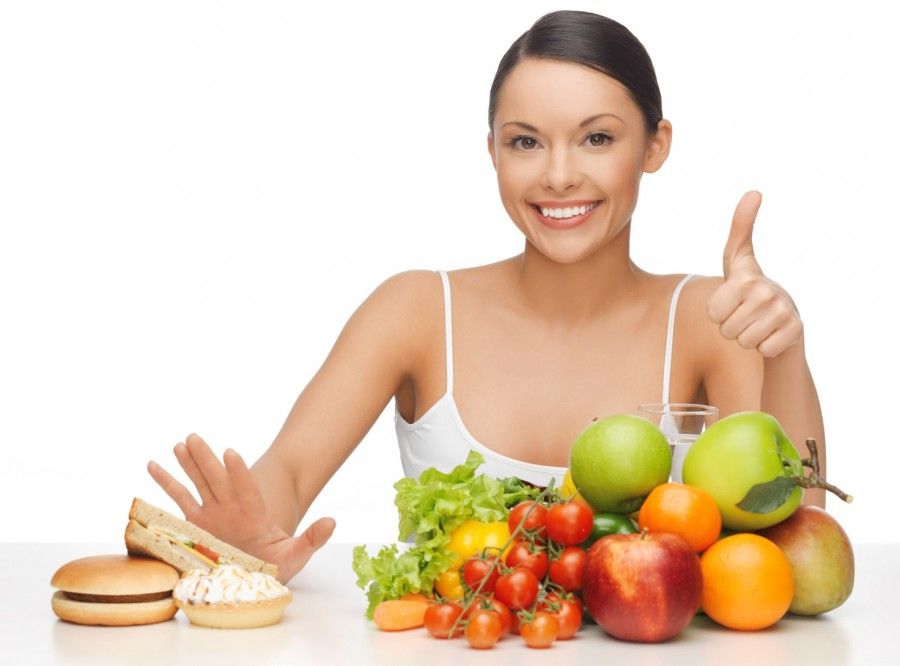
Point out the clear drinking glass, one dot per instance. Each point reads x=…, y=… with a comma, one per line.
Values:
x=681, y=423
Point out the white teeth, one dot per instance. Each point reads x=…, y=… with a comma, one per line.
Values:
x=563, y=213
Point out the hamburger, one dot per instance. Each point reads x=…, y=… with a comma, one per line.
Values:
x=114, y=590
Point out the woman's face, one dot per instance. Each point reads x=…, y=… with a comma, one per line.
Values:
x=569, y=147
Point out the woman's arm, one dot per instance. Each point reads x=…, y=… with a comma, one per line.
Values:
x=376, y=351
x=789, y=394
x=259, y=510
x=736, y=379
x=760, y=316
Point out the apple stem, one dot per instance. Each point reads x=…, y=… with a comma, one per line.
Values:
x=813, y=460
x=813, y=480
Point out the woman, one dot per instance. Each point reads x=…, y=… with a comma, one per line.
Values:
x=530, y=348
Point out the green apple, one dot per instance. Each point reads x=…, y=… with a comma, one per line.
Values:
x=737, y=453
x=616, y=462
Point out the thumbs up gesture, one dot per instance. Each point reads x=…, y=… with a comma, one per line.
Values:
x=748, y=306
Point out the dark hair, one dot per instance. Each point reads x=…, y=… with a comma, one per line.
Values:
x=591, y=40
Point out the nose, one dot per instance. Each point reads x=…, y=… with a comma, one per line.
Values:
x=561, y=171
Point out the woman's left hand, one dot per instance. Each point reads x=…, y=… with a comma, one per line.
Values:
x=748, y=306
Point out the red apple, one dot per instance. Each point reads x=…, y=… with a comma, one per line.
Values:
x=821, y=559
x=642, y=587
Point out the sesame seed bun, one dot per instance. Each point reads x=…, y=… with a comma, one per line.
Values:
x=114, y=590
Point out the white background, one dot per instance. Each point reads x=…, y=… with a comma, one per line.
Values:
x=197, y=195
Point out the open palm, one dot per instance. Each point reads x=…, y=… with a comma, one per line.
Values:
x=233, y=508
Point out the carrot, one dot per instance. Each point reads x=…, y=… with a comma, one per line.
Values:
x=399, y=614
x=416, y=596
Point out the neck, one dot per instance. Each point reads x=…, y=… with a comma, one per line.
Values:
x=571, y=294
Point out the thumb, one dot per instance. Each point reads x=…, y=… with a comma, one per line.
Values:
x=740, y=239
x=304, y=546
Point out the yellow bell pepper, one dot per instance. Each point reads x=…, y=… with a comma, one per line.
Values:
x=568, y=489
x=469, y=539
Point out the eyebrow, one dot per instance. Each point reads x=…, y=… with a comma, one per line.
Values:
x=586, y=121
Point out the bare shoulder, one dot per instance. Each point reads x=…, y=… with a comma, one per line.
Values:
x=409, y=289
x=405, y=311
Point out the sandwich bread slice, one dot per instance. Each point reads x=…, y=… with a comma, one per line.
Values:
x=157, y=533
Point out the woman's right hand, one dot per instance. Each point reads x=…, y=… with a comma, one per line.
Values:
x=233, y=508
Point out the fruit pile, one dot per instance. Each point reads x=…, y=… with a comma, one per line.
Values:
x=696, y=548
x=641, y=555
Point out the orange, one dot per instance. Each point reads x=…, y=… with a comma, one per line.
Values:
x=687, y=511
x=747, y=582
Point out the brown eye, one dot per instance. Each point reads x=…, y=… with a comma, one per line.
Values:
x=523, y=142
x=599, y=138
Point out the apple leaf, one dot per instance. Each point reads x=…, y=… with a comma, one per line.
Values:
x=768, y=496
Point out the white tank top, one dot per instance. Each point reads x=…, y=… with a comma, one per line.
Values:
x=440, y=439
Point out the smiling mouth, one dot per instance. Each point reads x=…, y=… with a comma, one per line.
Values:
x=565, y=212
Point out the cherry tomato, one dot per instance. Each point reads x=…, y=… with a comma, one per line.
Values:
x=569, y=617
x=506, y=616
x=518, y=588
x=483, y=629
x=439, y=620
x=523, y=554
x=567, y=569
x=536, y=521
x=476, y=569
x=569, y=613
x=570, y=523
x=514, y=627
x=541, y=631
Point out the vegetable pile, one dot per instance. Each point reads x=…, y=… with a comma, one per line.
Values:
x=430, y=509
x=476, y=567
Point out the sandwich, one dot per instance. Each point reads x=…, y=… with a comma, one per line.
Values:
x=154, y=532
x=114, y=590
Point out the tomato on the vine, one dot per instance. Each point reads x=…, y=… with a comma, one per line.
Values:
x=518, y=588
x=570, y=523
x=541, y=631
x=524, y=554
x=477, y=569
x=535, y=523
x=569, y=616
x=483, y=629
x=440, y=618
x=567, y=570
x=506, y=615
x=568, y=612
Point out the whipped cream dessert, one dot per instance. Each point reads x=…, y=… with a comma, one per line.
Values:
x=227, y=584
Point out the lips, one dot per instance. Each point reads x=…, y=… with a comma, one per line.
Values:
x=565, y=222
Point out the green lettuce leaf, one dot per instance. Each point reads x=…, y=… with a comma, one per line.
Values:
x=430, y=508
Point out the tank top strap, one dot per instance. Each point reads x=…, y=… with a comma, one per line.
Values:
x=670, y=334
x=448, y=330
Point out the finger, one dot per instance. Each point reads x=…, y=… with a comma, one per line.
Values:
x=194, y=474
x=245, y=486
x=174, y=489
x=724, y=301
x=739, y=320
x=781, y=339
x=759, y=330
x=213, y=470
x=304, y=546
x=740, y=238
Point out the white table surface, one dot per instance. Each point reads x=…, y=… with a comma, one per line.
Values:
x=325, y=624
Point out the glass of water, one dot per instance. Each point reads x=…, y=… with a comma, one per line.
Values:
x=681, y=423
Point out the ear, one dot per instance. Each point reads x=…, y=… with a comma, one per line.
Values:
x=490, y=147
x=658, y=147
